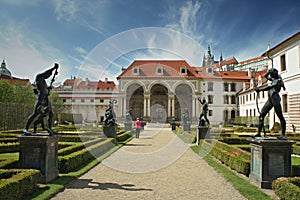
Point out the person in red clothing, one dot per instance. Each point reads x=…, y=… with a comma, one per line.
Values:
x=137, y=127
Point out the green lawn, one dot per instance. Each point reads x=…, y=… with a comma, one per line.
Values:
x=9, y=155
x=295, y=160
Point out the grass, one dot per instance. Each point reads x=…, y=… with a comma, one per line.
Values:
x=245, y=188
x=48, y=190
x=9, y=155
x=295, y=160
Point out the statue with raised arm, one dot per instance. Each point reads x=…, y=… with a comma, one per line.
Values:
x=273, y=101
x=203, y=115
x=42, y=107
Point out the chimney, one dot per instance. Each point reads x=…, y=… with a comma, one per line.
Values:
x=86, y=81
x=249, y=72
x=106, y=80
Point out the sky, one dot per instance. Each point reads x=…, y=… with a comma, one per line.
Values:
x=94, y=39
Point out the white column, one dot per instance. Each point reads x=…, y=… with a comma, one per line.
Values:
x=145, y=106
x=169, y=106
x=148, y=104
x=173, y=106
x=124, y=106
x=193, y=107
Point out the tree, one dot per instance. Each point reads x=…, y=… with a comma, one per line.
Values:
x=57, y=105
x=24, y=94
x=7, y=92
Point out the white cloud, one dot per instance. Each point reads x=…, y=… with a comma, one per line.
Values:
x=66, y=9
x=27, y=54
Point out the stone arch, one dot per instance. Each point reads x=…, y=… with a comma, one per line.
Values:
x=183, y=99
x=130, y=83
x=158, y=103
x=174, y=86
x=159, y=82
x=135, y=100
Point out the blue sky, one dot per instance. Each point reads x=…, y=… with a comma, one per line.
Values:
x=95, y=38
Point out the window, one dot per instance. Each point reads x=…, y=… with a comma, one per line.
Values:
x=159, y=70
x=64, y=100
x=226, y=87
x=73, y=100
x=226, y=99
x=233, y=87
x=250, y=112
x=183, y=70
x=210, y=113
x=250, y=95
x=282, y=62
x=82, y=100
x=92, y=100
x=210, y=99
x=210, y=86
x=284, y=103
x=136, y=70
x=233, y=99
x=209, y=70
x=101, y=100
x=246, y=113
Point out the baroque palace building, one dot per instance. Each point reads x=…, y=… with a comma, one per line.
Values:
x=161, y=90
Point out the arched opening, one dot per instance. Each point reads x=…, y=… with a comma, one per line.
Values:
x=183, y=100
x=135, y=97
x=159, y=103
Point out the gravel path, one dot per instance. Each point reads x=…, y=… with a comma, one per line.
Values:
x=158, y=165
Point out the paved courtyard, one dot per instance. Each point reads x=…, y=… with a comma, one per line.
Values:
x=158, y=165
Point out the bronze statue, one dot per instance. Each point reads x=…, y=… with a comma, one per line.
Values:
x=273, y=101
x=42, y=107
x=110, y=115
x=203, y=115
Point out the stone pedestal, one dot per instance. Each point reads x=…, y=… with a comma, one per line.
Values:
x=128, y=126
x=270, y=159
x=186, y=127
x=110, y=132
x=202, y=133
x=40, y=152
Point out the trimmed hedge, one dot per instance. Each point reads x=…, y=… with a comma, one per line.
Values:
x=78, y=147
x=74, y=160
x=9, y=163
x=16, y=184
x=235, y=140
x=235, y=158
x=9, y=147
x=287, y=188
x=296, y=149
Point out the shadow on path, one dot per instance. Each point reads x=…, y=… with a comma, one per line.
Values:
x=89, y=183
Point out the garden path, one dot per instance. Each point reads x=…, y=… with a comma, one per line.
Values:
x=158, y=165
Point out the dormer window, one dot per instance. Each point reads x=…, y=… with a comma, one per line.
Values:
x=209, y=70
x=159, y=70
x=183, y=70
x=136, y=70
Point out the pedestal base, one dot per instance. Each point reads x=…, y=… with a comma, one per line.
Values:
x=40, y=152
x=110, y=132
x=270, y=159
x=202, y=133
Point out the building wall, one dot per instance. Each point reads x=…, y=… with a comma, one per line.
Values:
x=291, y=78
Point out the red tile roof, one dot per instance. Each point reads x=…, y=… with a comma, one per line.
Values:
x=148, y=69
x=252, y=59
x=229, y=61
x=14, y=80
x=78, y=84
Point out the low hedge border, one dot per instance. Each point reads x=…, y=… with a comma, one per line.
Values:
x=237, y=151
x=78, y=147
x=9, y=163
x=287, y=188
x=74, y=160
x=231, y=159
x=18, y=183
x=235, y=140
x=9, y=147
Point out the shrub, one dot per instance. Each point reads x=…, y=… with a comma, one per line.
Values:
x=9, y=163
x=74, y=160
x=287, y=188
x=16, y=184
x=233, y=157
